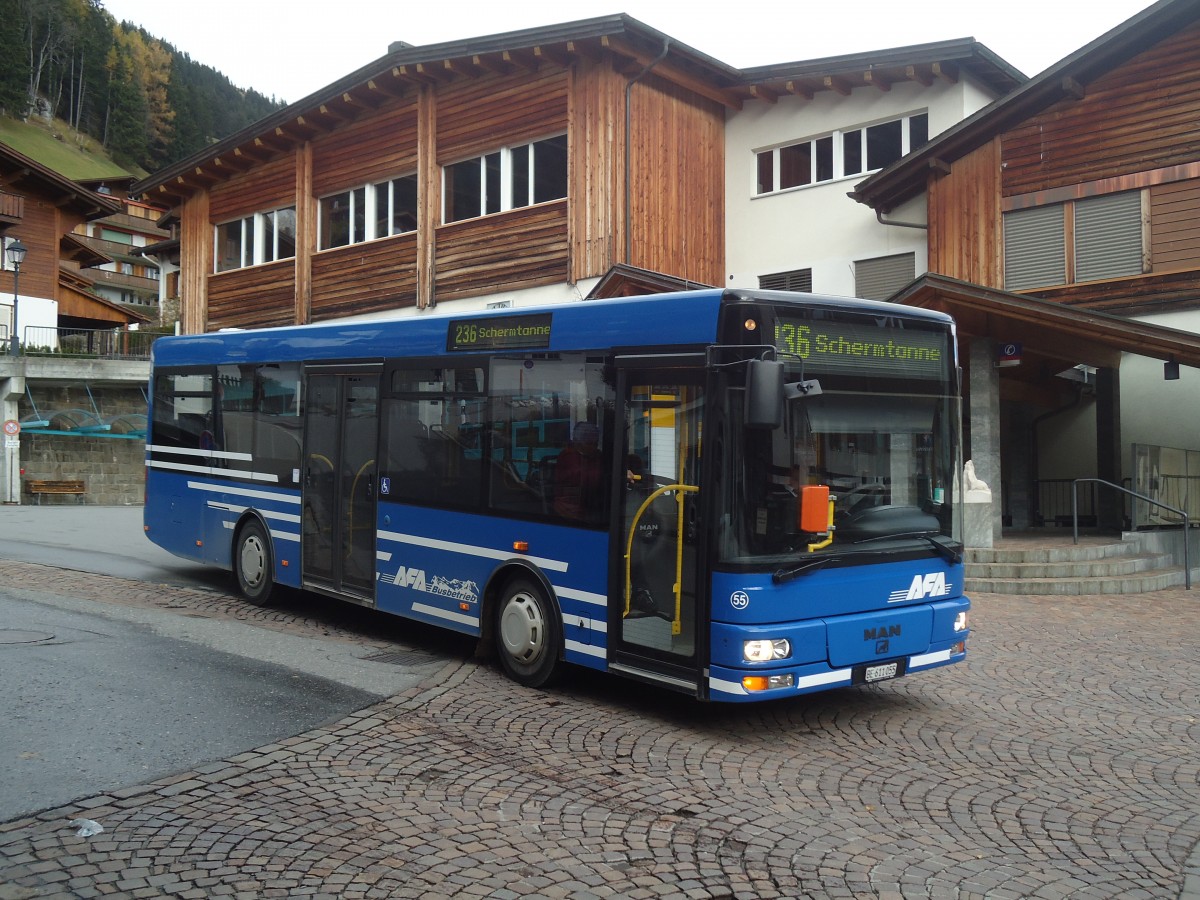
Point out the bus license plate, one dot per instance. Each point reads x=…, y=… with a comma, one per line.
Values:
x=878, y=672
x=881, y=673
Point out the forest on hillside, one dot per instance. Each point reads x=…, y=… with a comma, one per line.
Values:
x=148, y=104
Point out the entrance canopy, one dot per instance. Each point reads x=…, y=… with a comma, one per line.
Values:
x=1048, y=331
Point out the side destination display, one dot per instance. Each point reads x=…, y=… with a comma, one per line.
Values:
x=845, y=348
x=500, y=333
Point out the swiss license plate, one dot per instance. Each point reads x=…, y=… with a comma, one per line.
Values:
x=879, y=672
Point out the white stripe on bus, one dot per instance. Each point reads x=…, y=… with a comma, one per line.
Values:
x=553, y=565
x=581, y=596
x=928, y=659
x=244, y=492
x=444, y=614
x=212, y=470
x=265, y=513
x=188, y=451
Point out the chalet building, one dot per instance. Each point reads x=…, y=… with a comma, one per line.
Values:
x=520, y=168
x=522, y=165
x=129, y=279
x=1062, y=235
x=45, y=388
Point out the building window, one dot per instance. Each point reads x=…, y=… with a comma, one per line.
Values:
x=1105, y=241
x=795, y=280
x=368, y=212
x=879, y=278
x=259, y=238
x=509, y=178
x=839, y=154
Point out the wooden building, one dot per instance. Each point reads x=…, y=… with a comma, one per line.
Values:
x=1062, y=223
x=461, y=170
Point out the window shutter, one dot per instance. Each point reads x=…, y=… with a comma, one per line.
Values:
x=1033, y=248
x=879, y=278
x=1108, y=236
x=795, y=280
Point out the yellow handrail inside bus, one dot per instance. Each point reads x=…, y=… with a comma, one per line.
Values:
x=682, y=489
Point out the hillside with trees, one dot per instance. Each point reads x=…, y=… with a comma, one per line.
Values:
x=146, y=103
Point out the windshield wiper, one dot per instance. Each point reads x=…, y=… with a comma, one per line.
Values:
x=951, y=551
x=809, y=565
x=947, y=550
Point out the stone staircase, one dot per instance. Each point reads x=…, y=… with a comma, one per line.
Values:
x=1051, y=563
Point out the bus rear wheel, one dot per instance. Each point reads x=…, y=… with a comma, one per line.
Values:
x=253, y=564
x=528, y=634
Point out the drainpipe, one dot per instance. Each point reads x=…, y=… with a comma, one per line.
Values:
x=882, y=221
x=628, y=90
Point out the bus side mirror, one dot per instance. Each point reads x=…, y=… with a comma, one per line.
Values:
x=764, y=393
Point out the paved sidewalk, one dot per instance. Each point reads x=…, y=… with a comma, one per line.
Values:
x=1060, y=761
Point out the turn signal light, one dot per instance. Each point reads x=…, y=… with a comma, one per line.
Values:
x=521, y=546
x=767, y=682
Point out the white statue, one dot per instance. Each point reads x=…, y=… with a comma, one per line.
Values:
x=976, y=489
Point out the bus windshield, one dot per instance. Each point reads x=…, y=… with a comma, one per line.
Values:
x=881, y=435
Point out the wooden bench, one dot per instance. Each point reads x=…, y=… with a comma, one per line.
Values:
x=38, y=487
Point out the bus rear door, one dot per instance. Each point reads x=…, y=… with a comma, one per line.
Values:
x=338, y=525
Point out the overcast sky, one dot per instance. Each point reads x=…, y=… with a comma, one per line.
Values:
x=290, y=48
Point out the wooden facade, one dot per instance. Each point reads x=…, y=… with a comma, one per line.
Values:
x=1132, y=128
x=415, y=118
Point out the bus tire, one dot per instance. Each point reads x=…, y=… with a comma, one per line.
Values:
x=253, y=564
x=528, y=634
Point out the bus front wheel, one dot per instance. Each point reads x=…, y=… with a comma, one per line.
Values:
x=528, y=635
x=253, y=564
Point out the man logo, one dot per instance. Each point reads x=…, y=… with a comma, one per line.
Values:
x=931, y=585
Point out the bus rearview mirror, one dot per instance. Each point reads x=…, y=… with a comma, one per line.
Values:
x=764, y=393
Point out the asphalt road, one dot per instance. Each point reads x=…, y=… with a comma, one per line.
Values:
x=102, y=696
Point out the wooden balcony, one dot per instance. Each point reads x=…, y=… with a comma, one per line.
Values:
x=12, y=209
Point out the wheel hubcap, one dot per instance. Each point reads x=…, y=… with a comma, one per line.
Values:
x=522, y=628
x=253, y=561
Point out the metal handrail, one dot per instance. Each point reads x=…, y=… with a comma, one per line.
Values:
x=1187, y=565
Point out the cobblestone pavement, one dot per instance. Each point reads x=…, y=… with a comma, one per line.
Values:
x=1060, y=761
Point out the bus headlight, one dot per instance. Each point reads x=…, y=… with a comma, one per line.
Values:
x=766, y=651
x=960, y=621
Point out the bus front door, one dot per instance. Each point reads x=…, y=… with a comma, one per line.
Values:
x=656, y=540
x=338, y=512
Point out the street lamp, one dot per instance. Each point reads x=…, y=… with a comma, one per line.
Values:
x=16, y=255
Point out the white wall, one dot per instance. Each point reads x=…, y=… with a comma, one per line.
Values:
x=818, y=226
x=35, y=312
x=1156, y=411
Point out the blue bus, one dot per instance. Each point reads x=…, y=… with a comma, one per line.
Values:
x=736, y=494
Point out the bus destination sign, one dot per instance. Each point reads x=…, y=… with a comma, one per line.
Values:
x=862, y=348
x=500, y=333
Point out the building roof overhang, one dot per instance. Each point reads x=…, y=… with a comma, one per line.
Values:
x=944, y=61
x=21, y=174
x=77, y=250
x=1048, y=329
x=630, y=46
x=93, y=306
x=1069, y=78
x=622, y=280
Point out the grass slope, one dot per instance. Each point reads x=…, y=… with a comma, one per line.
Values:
x=58, y=147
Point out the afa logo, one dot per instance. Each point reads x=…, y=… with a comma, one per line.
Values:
x=415, y=579
x=923, y=586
